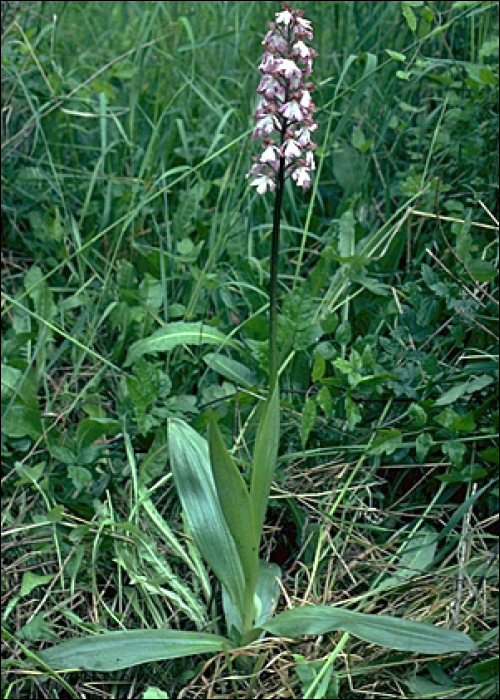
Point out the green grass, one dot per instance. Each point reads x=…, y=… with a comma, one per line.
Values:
x=126, y=137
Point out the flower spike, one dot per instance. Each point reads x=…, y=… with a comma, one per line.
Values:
x=284, y=114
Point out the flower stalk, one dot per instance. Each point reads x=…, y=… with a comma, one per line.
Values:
x=284, y=120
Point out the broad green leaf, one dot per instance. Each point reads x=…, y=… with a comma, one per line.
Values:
x=267, y=593
x=113, y=651
x=455, y=422
x=31, y=581
x=409, y=16
x=231, y=369
x=91, y=429
x=352, y=412
x=452, y=394
x=308, y=418
x=391, y=632
x=455, y=450
x=143, y=389
x=190, y=463
x=41, y=293
x=423, y=443
x=343, y=365
x=234, y=499
x=387, y=441
x=55, y=514
x=343, y=334
x=373, y=285
x=319, y=367
x=491, y=454
x=418, y=415
x=264, y=457
x=22, y=420
x=485, y=670
x=29, y=475
x=324, y=399
x=11, y=376
x=174, y=334
x=359, y=139
x=479, y=383
x=395, y=55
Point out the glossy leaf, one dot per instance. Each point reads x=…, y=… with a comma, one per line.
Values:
x=391, y=632
x=237, y=509
x=190, y=463
x=267, y=593
x=264, y=457
x=112, y=651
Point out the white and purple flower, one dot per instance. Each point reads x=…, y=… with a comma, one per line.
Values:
x=284, y=114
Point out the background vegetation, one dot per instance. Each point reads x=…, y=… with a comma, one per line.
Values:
x=126, y=137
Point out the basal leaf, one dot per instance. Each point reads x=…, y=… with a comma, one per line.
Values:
x=264, y=457
x=190, y=463
x=115, y=650
x=267, y=592
x=174, y=334
x=234, y=499
x=391, y=632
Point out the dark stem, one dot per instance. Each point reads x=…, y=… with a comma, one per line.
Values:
x=273, y=291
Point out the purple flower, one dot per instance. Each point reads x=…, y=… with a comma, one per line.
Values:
x=292, y=111
x=262, y=183
x=284, y=114
x=284, y=17
x=301, y=177
x=291, y=149
x=286, y=67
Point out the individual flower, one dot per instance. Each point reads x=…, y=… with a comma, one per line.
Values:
x=265, y=126
x=284, y=114
x=284, y=17
x=270, y=155
x=291, y=149
x=300, y=49
x=286, y=67
x=270, y=87
x=262, y=183
x=292, y=110
x=301, y=177
x=304, y=136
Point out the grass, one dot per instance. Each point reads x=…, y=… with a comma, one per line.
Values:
x=124, y=208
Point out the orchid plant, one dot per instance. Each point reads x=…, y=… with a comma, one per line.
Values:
x=225, y=514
